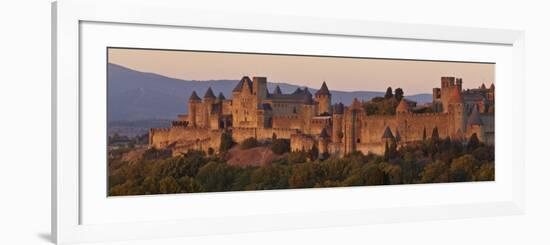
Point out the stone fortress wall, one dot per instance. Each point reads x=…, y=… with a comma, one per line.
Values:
x=311, y=120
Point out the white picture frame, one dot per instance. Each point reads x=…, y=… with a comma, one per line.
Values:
x=67, y=194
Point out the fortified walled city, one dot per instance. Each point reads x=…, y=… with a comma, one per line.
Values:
x=310, y=120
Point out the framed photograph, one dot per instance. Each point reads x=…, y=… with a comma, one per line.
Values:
x=170, y=122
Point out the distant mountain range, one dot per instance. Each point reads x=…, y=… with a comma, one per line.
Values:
x=135, y=96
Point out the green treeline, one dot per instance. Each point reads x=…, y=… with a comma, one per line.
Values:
x=433, y=160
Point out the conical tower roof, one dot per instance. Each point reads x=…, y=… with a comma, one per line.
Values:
x=194, y=97
x=483, y=86
x=209, y=94
x=221, y=96
x=245, y=80
x=475, y=117
x=277, y=90
x=298, y=91
x=324, y=90
x=492, y=86
x=397, y=135
x=403, y=107
x=387, y=134
x=308, y=97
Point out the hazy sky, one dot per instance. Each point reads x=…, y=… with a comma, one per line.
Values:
x=345, y=74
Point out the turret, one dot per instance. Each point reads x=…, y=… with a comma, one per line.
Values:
x=456, y=109
x=403, y=107
x=221, y=97
x=323, y=98
x=259, y=88
x=323, y=143
x=387, y=136
x=475, y=125
x=208, y=100
x=194, y=100
x=277, y=90
x=308, y=111
x=337, y=128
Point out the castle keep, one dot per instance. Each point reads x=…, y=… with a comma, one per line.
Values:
x=312, y=120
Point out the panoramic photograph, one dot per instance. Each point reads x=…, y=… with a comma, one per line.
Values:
x=201, y=121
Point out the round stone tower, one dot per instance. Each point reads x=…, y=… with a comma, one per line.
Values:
x=323, y=98
x=208, y=100
x=475, y=125
x=323, y=143
x=337, y=116
x=194, y=100
x=456, y=110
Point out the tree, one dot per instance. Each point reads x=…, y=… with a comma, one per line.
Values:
x=486, y=172
x=215, y=176
x=189, y=185
x=424, y=134
x=389, y=93
x=435, y=134
x=436, y=172
x=386, y=151
x=271, y=176
x=280, y=146
x=305, y=175
x=226, y=142
x=392, y=173
x=462, y=168
x=249, y=143
x=210, y=151
x=374, y=175
x=399, y=94
x=473, y=142
x=169, y=185
x=313, y=153
x=297, y=157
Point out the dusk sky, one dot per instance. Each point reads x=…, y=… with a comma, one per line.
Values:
x=345, y=74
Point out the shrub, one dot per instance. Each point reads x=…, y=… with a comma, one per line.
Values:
x=297, y=157
x=249, y=143
x=280, y=146
x=226, y=142
x=168, y=185
x=462, y=168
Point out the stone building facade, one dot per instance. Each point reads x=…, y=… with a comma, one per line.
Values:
x=312, y=120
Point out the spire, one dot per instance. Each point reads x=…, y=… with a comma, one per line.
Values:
x=324, y=90
x=397, y=135
x=194, y=97
x=298, y=91
x=483, y=86
x=245, y=80
x=277, y=90
x=492, y=86
x=209, y=94
x=387, y=134
x=474, y=118
x=403, y=107
x=221, y=96
x=308, y=98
